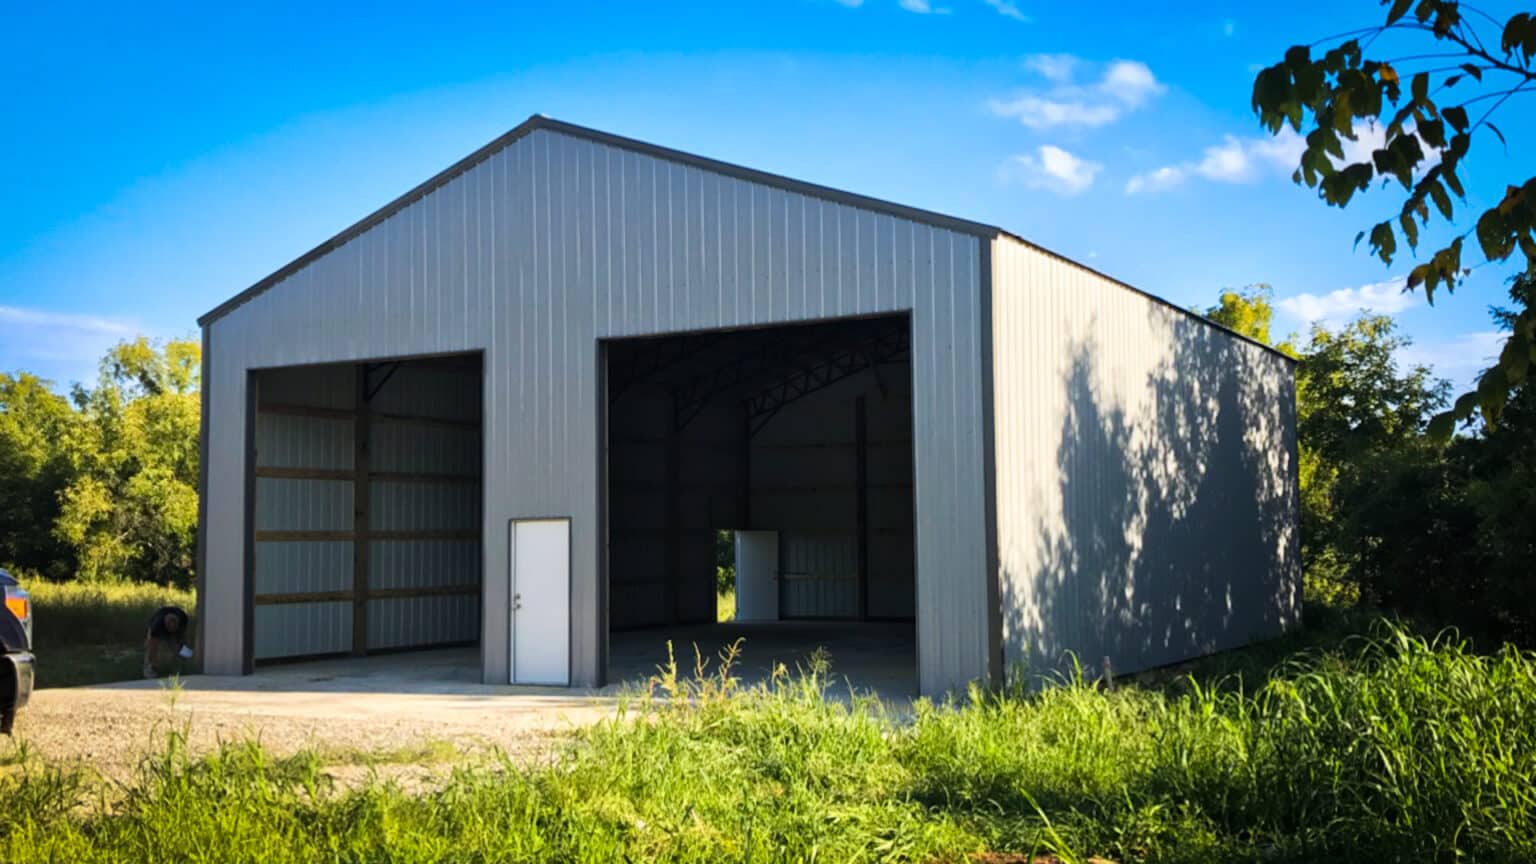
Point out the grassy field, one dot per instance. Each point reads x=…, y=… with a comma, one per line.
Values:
x=1388, y=748
x=94, y=633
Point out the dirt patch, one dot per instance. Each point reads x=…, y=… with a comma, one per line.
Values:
x=112, y=730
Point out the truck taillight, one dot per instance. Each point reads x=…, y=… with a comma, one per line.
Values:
x=17, y=606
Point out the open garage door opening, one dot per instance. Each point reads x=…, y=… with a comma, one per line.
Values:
x=366, y=517
x=764, y=477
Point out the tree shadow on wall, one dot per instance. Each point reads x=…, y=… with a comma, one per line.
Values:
x=1172, y=528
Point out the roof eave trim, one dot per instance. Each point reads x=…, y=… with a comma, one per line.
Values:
x=1203, y=319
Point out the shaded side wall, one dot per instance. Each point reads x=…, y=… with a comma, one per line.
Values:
x=554, y=242
x=1146, y=474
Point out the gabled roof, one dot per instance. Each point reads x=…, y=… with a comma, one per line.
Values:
x=539, y=121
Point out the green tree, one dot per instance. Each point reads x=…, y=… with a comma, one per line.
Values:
x=1432, y=102
x=1356, y=408
x=35, y=423
x=1249, y=311
x=130, y=511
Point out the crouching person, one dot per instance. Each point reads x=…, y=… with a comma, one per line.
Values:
x=166, y=644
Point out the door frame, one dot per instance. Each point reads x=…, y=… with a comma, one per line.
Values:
x=570, y=584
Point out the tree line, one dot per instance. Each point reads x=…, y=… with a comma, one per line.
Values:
x=1392, y=515
x=100, y=484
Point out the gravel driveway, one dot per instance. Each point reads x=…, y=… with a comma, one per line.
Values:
x=112, y=728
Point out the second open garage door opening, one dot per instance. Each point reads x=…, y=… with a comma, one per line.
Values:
x=796, y=442
x=366, y=518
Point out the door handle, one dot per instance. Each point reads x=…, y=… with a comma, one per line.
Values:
x=517, y=602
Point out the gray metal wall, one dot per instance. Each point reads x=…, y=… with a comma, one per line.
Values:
x=1146, y=473
x=556, y=241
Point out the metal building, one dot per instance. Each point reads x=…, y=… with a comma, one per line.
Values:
x=512, y=408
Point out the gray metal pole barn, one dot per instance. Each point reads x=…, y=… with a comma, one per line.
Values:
x=1094, y=469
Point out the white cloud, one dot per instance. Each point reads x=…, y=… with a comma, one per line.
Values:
x=1166, y=177
x=1123, y=85
x=58, y=345
x=1246, y=160
x=1040, y=113
x=1053, y=67
x=1054, y=169
x=1459, y=358
x=1337, y=308
x=1008, y=9
x=1234, y=160
x=851, y=4
x=1131, y=82
x=922, y=7
x=38, y=318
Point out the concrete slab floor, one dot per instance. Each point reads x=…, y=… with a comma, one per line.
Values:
x=868, y=656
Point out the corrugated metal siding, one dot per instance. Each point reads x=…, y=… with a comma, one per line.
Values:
x=425, y=449
x=556, y=242
x=819, y=576
x=1146, y=474
x=295, y=504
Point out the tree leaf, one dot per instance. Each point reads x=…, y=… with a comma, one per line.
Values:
x=1442, y=200
x=1473, y=70
x=1456, y=116
x=1398, y=10
x=1517, y=33
x=1433, y=133
x=1495, y=130
x=1410, y=228
x=1515, y=358
x=1441, y=426
x=1448, y=174
x=1383, y=241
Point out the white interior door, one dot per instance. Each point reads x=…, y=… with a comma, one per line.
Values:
x=541, y=601
x=757, y=575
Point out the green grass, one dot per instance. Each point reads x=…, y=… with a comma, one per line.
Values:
x=725, y=606
x=78, y=665
x=1393, y=748
x=92, y=633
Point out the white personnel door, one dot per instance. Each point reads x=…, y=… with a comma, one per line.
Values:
x=757, y=575
x=541, y=600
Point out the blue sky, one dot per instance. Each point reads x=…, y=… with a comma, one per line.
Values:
x=157, y=159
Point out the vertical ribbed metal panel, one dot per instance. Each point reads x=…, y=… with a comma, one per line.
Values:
x=819, y=576
x=285, y=440
x=1146, y=473
x=555, y=242
x=442, y=494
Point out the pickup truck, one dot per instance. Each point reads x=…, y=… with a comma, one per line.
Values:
x=16, y=663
